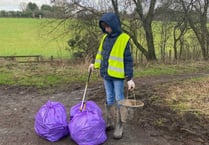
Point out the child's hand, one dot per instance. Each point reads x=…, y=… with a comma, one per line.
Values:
x=91, y=67
x=131, y=85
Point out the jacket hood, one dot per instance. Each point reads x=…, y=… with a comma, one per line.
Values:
x=113, y=21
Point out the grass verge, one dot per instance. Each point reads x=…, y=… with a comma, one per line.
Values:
x=43, y=75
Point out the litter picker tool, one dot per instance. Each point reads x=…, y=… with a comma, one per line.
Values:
x=85, y=90
x=86, y=125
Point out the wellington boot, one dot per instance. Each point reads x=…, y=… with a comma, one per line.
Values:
x=118, y=132
x=109, y=117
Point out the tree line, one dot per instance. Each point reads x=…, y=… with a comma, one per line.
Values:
x=31, y=10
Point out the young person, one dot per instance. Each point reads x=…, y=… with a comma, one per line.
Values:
x=116, y=65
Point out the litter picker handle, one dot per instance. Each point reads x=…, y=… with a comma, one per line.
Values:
x=89, y=75
x=85, y=90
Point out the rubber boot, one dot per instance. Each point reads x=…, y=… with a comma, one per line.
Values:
x=109, y=117
x=118, y=132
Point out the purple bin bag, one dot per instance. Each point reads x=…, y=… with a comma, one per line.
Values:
x=51, y=121
x=87, y=127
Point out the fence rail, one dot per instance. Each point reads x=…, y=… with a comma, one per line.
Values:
x=23, y=58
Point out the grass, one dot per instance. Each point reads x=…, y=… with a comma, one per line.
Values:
x=165, y=69
x=42, y=75
x=19, y=36
x=189, y=98
x=186, y=96
x=51, y=75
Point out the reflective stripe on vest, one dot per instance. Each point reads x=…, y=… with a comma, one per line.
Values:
x=99, y=53
x=116, y=58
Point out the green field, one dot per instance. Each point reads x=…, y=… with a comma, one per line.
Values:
x=48, y=37
x=19, y=36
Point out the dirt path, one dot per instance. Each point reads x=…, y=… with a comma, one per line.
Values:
x=19, y=105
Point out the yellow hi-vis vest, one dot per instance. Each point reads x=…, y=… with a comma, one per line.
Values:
x=116, y=58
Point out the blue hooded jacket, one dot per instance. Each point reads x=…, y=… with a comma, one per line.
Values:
x=113, y=22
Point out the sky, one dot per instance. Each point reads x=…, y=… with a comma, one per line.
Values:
x=14, y=5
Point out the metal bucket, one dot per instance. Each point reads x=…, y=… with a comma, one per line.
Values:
x=129, y=109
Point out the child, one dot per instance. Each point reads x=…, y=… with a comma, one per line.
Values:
x=116, y=65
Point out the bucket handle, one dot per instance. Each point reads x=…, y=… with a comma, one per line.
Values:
x=132, y=94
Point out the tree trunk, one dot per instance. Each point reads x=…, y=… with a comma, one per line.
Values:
x=150, y=43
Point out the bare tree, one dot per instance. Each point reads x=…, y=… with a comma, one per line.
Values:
x=142, y=15
x=178, y=35
x=146, y=18
x=23, y=6
x=83, y=16
x=196, y=14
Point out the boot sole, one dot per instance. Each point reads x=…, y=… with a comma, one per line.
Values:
x=118, y=137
